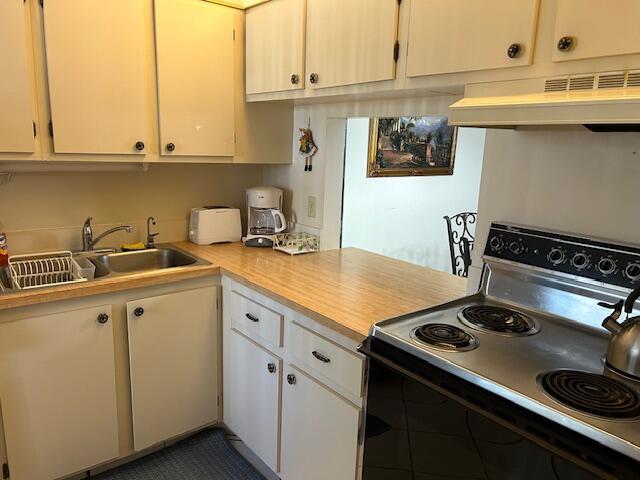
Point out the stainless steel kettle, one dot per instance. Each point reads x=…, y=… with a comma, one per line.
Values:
x=623, y=354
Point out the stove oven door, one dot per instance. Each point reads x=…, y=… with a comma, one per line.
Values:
x=425, y=424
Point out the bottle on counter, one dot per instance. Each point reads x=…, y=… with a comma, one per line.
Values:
x=4, y=248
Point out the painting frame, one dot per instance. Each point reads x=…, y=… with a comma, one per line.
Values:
x=375, y=170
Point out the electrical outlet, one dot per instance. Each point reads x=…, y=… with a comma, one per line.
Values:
x=311, y=206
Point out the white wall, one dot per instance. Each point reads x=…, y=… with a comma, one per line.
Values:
x=402, y=217
x=565, y=179
x=327, y=174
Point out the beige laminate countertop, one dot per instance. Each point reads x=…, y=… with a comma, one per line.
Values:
x=347, y=290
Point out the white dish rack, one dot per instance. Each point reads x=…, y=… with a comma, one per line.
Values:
x=43, y=269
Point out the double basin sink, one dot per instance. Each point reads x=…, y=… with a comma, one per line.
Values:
x=125, y=263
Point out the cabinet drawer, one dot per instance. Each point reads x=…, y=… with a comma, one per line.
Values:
x=326, y=360
x=256, y=321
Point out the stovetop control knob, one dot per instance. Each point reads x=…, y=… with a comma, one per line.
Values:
x=496, y=244
x=607, y=266
x=581, y=261
x=632, y=272
x=557, y=256
x=517, y=247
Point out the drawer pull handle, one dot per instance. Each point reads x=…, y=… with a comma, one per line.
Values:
x=103, y=318
x=291, y=379
x=271, y=367
x=321, y=357
x=138, y=312
x=253, y=318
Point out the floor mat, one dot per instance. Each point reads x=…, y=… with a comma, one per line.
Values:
x=207, y=455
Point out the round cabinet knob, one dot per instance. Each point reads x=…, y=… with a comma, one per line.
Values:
x=632, y=272
x=103, y=318
x=291, y=379
x=139, y=146
x=517, y=248
x=496, y=244
x=271, y=367
x=557, y=256
x=138, y=312
x=313, y=78
x=295, y=79
x=170, y=147
x=514, y=50
x=581, y=261
x=566, y=43
x=607, y=266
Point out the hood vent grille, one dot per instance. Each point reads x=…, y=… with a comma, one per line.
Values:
x=593, y=82
x=582, y=83
x=611, y=80
x=633, y=79
x=556, y=85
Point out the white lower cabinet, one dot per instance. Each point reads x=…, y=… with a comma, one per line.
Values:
x=58, y=392
x=319, y=431
x=173, y=352
x=253, y=391
x=294, y=399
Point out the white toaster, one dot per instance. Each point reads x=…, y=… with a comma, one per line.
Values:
x=214, y=225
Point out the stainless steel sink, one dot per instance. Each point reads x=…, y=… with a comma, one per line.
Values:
x=145, y=260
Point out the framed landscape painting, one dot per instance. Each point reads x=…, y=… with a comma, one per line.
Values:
x=411, y=146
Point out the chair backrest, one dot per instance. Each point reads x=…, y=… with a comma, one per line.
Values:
x=461, y=240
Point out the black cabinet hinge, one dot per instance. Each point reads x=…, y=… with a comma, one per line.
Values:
x=396, y=51
x=5, y=471
x=51, y=129
x=42, y=3
x=234, y=34
x=35, y=133
x=399, y=2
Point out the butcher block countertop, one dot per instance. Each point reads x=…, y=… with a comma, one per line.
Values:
x=347, y=290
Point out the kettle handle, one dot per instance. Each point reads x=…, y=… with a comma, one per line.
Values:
x=279, y=217
x=611, y=322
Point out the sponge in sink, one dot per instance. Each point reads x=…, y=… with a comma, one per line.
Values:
x=128, y=247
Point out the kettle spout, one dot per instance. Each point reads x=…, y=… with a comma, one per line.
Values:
x=611, y=322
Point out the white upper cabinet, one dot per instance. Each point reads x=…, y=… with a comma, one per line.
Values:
x=98, y=56
x=58, y=391
x=275, y=46
x=596, y=28
x=350, y=42
x=195, y=56
x=448, y=36
x=173, y=356
x=16, y=79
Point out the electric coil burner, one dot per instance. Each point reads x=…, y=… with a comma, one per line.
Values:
x=592, y=394
x=445, y=337
x=500, y=320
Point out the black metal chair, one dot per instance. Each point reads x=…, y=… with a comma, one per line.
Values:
x=461, y=241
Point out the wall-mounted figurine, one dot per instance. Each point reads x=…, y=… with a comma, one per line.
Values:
x=308, y=147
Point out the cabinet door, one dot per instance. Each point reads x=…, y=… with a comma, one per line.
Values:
x=319, y=431
x=447, y=36
x=598, y=28
x=173, y=356
x=275, y=46
x=252, y=407
x=16, y=80
x=195, y=49
x=97, y=64
x=350, y=42
x=58, y=393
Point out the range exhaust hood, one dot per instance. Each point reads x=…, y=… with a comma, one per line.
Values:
x=602, y=102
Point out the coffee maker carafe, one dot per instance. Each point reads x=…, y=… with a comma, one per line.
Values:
x=264, y=216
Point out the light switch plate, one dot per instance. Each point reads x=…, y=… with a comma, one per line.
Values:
x=311, y=206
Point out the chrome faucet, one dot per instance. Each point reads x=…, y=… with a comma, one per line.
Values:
x=150, y=241
x=88, y=242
